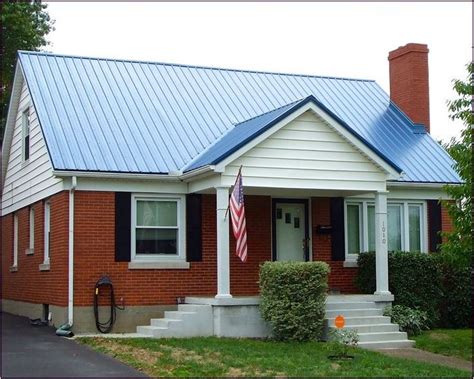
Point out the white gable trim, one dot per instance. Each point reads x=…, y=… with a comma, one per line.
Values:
x=391, y=173
x=11, y=118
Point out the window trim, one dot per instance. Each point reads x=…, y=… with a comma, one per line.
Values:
x=25, y=132
x=181, y=227
x=31, y=236
x=47, y=232
x=15, y=241
x=405, y=242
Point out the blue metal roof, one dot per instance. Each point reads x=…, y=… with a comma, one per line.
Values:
x=144, y=117
x=244, y=132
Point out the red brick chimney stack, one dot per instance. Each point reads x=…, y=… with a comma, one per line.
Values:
x=409, y=87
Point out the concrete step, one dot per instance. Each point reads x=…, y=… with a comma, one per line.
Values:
x=354, y=312
x=362, y=320
x=164, y=322
x=350, y=305
x=373, y=345
x=149, y=330
x=382, y=336
x=194, y=308
x=178, y=315
x=372, y=328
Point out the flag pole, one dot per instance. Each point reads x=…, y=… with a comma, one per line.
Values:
x=228, y=205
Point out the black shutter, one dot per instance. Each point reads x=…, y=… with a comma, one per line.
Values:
x=193, y=228
x=123, y=209
x=434, y=224
x=337, y=222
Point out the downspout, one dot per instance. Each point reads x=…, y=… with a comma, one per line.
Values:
x=70, y=311
x=65, y=330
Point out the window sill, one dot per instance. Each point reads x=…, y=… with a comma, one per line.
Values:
x=13, y=268
x=348, y=264
x=29, y=251
x=158, y=265
x=44, y=267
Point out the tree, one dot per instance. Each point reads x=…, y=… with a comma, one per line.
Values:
x=24, y=26
x=458, y=244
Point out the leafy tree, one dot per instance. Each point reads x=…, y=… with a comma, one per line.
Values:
x=24, y=26
x=458, y=245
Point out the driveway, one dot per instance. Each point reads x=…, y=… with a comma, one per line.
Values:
x=30, y=351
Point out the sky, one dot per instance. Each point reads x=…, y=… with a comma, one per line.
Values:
x=331, y=39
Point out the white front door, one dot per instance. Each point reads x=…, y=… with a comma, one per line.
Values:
x=290, y=230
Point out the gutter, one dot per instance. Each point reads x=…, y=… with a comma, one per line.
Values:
x=70, y=309
x=175, y=176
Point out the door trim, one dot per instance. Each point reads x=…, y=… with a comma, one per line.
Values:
x=305, y=202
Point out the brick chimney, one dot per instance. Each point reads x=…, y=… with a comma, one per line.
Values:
x=409, y=87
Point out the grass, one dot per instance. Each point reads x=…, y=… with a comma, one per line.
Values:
x=453, y=342
x=245, y=357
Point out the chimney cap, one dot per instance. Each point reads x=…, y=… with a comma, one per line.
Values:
x=408, y=48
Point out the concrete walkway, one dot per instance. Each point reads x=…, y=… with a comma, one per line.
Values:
x=29, y=351
x=426, y=356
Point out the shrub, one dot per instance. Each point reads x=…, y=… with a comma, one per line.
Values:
x=456, y=304
x=293, y=298
x=410, y=320
x=342, y=340
x=415, y=279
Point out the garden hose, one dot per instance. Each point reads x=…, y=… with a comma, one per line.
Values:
x=105, y=327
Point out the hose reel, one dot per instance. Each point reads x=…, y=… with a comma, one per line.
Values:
x=102, y=285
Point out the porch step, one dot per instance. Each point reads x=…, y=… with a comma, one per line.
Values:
x=349, y=305
x=375, y=331
x=375, y=345
x=354, y=312
x=187, y=321
x=372, y=328
x=362, y=320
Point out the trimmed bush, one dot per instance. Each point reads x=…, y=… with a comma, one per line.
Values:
x=412, y=321
x=293, y=298
x=415, y=279
x=456, y=304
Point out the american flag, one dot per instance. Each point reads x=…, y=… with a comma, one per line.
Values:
x=237, y=211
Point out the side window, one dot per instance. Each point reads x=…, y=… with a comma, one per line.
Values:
x=15, y=240
x=47, y=230
x=31, y=245
x=26, y=134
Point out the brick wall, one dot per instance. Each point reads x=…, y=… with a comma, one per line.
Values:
x=340, y=278
x=95, y=254
x=29, y=284
x=446, y=221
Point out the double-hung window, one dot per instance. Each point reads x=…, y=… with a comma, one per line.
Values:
x=157, y=228
x=406, y=226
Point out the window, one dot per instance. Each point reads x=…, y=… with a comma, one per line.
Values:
x=157, y=228
x=15, y=240
x=47, y=231
x=31, y=246
x=405, y=224
x=25, y=120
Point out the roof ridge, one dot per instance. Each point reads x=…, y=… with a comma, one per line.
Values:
x=45, y=53
x=272, y=110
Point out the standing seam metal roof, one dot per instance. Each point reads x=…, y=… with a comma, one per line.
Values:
x=107, y=115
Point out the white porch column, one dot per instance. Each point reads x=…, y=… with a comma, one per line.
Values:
x=381, y=243
x=222, y=222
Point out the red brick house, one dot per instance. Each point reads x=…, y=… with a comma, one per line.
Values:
x=123, y=168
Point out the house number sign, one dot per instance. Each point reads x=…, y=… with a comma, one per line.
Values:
x=384, y=236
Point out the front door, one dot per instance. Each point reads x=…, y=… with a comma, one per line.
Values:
x=290, y=230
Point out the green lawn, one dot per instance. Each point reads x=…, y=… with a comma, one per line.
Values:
x=454, y=342
x=245, y=357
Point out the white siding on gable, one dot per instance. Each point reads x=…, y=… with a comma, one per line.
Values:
x=33, y=180
x=307, y=153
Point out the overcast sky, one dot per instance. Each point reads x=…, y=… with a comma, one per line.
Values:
x=334, y=39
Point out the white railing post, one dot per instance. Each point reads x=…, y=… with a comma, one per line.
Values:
x=381, y=244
